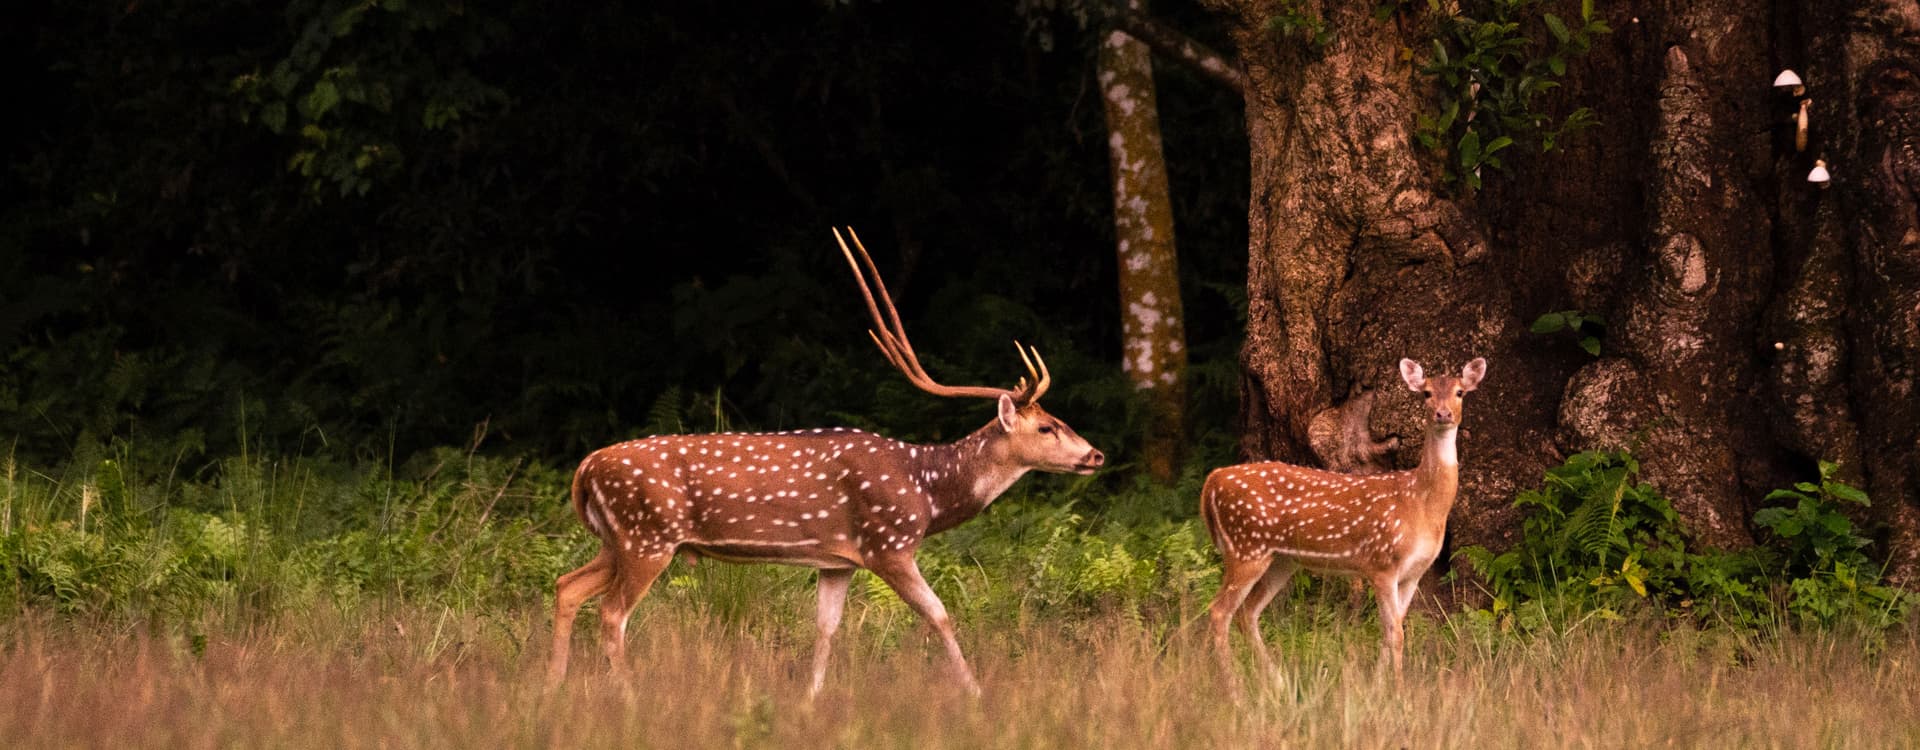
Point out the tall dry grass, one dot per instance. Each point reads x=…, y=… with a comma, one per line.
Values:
x=704, y=678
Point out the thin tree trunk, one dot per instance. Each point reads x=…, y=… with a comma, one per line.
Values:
x=1155, y=357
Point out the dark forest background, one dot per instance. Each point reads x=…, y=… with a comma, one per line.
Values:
x=365, y=229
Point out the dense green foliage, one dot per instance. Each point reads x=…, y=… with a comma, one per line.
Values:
x=455, y=529
x=106, y=537
x=1597, y=539
x=1491, y=72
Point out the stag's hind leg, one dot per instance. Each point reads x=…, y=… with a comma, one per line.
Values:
x=833, y=600
x=633, y=575
x=571, y=591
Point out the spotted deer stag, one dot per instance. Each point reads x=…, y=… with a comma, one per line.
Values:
x=833, y=499
x=1271, y=519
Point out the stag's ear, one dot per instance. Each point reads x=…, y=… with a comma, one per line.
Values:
x=1471, y=374
x=1007, y=412
x=1410, y=371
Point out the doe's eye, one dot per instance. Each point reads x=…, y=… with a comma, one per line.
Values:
x=1458, y=394
x=1427, y=393
x=1046, y=429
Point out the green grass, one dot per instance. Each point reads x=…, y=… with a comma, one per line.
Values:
x=271, y=602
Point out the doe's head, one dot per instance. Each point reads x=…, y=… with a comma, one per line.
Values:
x=1444, y=393
x=1040, y=440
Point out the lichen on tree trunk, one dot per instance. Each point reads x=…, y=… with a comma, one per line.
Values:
x=1153, y=328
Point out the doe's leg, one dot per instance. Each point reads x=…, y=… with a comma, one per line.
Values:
x=1277, y=579
x=1386, y=590
x=571, y=591
x=632, y=577
x=1237, y=577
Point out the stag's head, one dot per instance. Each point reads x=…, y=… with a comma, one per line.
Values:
x=1038, y=439
x=1033, y=438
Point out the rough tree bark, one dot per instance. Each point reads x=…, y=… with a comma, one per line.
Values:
x=1685, y=220
x=1843, y=381
x=1152, y=323
x=1359, y=257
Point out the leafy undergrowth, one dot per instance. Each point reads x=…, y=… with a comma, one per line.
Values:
x=1597, y=540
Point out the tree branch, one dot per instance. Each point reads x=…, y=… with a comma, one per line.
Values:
x=1170, y=43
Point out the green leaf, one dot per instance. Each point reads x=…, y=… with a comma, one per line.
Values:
x=1557, y=65
x=1549, y=323
x=1784, y=495
x=1469, y=150
x=1591, y=344
x=1500, y=143
x=1554, y=25
x=1639, y=586
x=1586, y=10
x=321, y=99
x=274, y=116
x=1847, y=493
x=1447, y=117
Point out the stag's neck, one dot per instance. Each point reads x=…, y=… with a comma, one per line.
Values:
x=966, y=476
x=1436, y=481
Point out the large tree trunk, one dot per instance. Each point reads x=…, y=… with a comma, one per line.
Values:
x=1845, y=376
x=1359, y=257
x=1684, y=220
x=1152, y=323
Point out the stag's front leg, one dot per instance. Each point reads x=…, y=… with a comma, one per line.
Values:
x=833, y=600
x=902, y=574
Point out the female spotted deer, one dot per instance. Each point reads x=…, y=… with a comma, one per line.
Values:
x=832, y=499
x=1270, y=519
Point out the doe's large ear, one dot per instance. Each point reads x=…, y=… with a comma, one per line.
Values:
x=1471, y=374
x=1007, y=412
x=1410, y=371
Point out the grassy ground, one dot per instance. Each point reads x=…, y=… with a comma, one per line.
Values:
x=702, y=677
x=310, y=603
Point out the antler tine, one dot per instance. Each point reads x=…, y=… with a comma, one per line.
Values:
x=1027, y=393
x=892, y=339
x=1041, y=380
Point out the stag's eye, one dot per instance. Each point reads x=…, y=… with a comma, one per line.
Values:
x=1458, y=394
x=1046, y=429
x=1427, y=393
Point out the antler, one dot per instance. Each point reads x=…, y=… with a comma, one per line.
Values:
x=891, y=337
